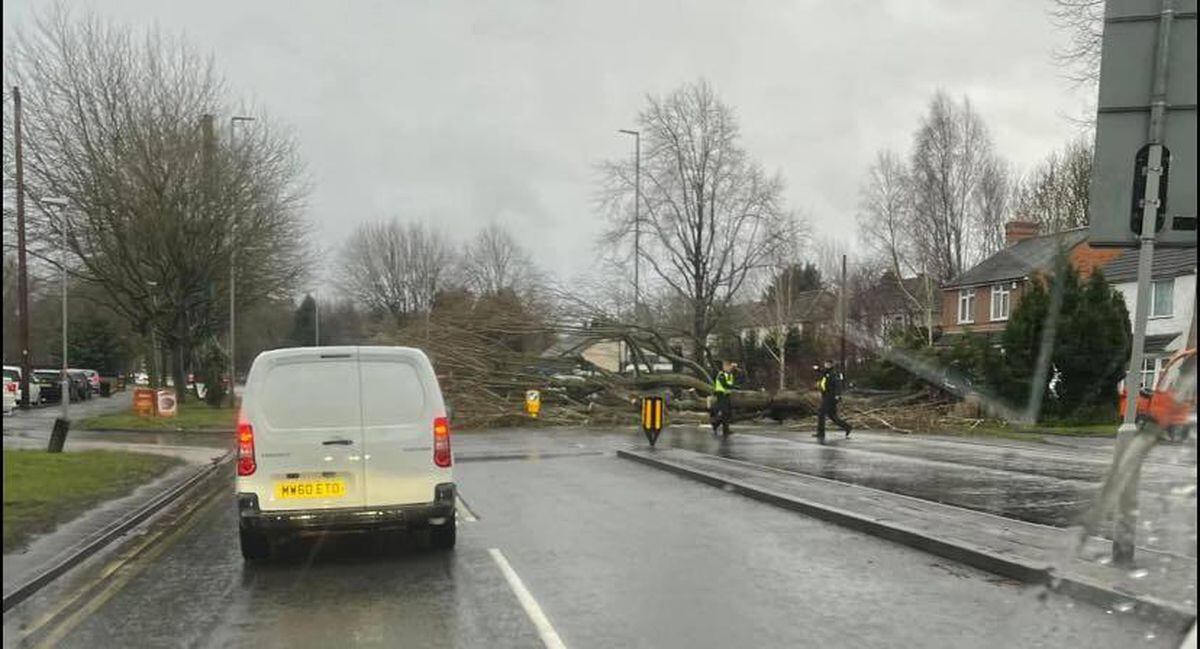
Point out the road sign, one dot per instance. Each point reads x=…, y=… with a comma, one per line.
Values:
x=533, y=403
x=654, y=412
x=1123, y=116
x=1141, y=170
x=143, y=401
x=166, y=403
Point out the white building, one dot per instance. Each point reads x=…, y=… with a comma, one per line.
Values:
x=1172, y=301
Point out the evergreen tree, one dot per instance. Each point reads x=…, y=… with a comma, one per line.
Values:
x=304, y=324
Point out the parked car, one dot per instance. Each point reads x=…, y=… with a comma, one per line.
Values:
x=81, y=386
x=308, y=417
x=50, y=382
x=1172, y=403
x=10, y=393
x=35, y=390
x=93, y=380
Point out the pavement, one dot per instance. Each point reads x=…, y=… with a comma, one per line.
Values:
x=559, y=541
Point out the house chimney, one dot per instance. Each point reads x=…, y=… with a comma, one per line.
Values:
x=1015, y=231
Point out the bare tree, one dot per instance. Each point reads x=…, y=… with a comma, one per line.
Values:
x=1055, y=193
x=494, y=262
x=1083, y=20
x=780, y=309
x=115, y=123
x=709, y=210
x=993, y=205
x=886, y=225
x=952, y=155
x=396, y=268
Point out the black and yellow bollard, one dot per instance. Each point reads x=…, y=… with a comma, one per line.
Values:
x=654, y=413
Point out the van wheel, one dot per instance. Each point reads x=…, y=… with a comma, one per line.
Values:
x=255, y=545
x=443, y=537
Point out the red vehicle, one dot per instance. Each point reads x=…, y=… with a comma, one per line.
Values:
x=1172, y=403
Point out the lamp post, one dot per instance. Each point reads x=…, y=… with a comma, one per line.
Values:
x=233, y=274
x=154, y=335
x=58, y=437
x=637, y=220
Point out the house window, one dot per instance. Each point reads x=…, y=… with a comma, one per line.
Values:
x=1162, y=302
x=1151, y=366
x=966, y=306
x=1001, y=294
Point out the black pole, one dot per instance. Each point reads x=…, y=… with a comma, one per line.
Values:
x=843, y=357
x=22, y=272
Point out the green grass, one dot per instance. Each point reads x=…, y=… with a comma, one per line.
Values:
x=1033, y=433
x=43, y=489
x=192, y=415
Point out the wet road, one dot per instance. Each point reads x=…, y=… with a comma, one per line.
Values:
x=613, y=554
x=1036, y=483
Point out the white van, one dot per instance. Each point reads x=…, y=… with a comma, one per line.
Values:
x=342, y=439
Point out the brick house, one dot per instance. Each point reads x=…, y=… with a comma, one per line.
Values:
x=981, y=299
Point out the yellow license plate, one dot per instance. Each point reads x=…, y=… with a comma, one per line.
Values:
x=327, y=488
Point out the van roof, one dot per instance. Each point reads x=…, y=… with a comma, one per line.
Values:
x=292, y=352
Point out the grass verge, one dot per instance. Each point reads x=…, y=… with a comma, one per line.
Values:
x=192, y=415
x=1031, y=433
x=42, y=490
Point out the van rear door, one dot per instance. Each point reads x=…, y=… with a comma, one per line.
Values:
x=307, y=430
x=400, y=399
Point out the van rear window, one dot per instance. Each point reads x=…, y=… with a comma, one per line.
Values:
x=392, y=393
x=311, y=395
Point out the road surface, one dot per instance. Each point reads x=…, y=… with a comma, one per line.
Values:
x=559, y=541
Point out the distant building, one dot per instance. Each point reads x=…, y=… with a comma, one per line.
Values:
x=1172, y=301
x=981, y=299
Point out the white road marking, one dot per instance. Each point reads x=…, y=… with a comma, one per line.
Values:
x=545, y=630
x=463, y=511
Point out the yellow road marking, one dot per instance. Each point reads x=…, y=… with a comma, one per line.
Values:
x=136, y=562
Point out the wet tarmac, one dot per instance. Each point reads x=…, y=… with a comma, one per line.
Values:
x=614, y=554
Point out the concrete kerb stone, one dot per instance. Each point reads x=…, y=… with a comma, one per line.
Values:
x=73, y=557
x=1024, y=571
x=185, y=431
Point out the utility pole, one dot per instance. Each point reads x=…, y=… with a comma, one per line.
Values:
x=233, y=272
x=1126, y=523
x=22, y=269
x=842, y=309
x=317, y=322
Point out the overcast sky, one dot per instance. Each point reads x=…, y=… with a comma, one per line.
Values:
x=466, y=112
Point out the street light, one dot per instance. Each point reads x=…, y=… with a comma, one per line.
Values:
x=65, y=394
x=637, y=220
x=154, y=335
x=233, y=272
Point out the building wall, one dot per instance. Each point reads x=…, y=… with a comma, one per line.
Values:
x=983, y=308
x=605, y=355
x=1184, y=297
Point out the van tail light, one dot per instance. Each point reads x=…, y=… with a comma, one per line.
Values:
x=441, y=442
x=245, y=448
x=11, y=387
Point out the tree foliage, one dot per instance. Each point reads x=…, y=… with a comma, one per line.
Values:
x=709, y=214
x=122, y=125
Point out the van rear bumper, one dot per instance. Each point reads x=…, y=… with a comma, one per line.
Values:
x=350, y=519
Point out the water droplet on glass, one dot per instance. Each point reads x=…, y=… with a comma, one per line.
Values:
x=1123, y=607
x=1139, y=573
x=1104, y=561
x=1185, y=490
x=1150, y=635
x=1151, y=539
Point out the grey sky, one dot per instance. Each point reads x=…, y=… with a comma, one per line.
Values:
x=465, y=112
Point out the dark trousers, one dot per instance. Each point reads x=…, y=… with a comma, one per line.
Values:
x=722, y=412
x=829, y=410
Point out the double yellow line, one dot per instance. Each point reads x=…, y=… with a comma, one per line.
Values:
x=89, y=597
